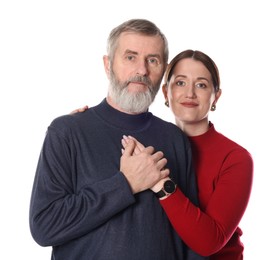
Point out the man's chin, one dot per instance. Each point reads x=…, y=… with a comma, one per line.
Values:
x=137, y=88
x=134, y=108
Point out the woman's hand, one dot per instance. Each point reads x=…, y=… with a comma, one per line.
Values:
x=138, y=147
x=79, y=110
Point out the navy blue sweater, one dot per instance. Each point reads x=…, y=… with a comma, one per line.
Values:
x=81, y=203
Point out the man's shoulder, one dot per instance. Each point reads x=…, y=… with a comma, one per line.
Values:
x=165, y=125
x=169, y=131
x=69, y=122
x=63, y=120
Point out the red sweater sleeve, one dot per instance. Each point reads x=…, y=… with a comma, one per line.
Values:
x=208, y=231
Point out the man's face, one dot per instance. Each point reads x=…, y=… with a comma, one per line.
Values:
x=136, y=72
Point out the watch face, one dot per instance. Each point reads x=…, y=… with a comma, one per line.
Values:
x=169, y=186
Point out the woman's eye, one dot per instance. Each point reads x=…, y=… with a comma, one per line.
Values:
x=200, y=85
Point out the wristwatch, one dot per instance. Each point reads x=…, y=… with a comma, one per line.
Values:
x=169, y=187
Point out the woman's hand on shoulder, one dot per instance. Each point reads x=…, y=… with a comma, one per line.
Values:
x=79, y=110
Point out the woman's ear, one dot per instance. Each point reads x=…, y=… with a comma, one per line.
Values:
x=164, y=91
x=217, y=96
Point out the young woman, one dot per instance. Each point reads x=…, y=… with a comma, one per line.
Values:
x=224, y=168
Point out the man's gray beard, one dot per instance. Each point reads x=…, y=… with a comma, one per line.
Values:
x=132, y=102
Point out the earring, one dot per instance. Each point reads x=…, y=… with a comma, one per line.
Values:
x=213, y=107
x=166, y=103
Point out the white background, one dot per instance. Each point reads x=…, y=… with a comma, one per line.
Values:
x=51, y=63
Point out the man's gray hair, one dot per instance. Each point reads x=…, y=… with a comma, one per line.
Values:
x=141, y=26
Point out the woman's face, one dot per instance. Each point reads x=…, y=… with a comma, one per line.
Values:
x=190, y=91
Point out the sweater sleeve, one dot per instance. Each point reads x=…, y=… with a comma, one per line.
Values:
x=207, y=232
x=60, y=213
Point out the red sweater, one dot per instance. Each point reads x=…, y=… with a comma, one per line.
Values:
x=224, y=176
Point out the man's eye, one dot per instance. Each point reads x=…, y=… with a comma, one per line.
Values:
x=153, y=61
x=130, y=57
x=180, y=83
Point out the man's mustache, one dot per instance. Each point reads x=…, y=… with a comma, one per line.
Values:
x=141, y=79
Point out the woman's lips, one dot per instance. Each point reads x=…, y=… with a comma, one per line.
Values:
x=189, y=104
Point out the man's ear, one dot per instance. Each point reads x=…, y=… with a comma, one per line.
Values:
x=106, y=63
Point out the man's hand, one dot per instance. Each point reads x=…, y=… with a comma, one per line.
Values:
x=141, y=166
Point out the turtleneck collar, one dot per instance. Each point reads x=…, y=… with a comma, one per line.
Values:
x=205, y=140
x=120, y=119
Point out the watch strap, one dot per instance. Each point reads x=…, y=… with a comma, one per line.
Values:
x=160, y=194
x=168, y=188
